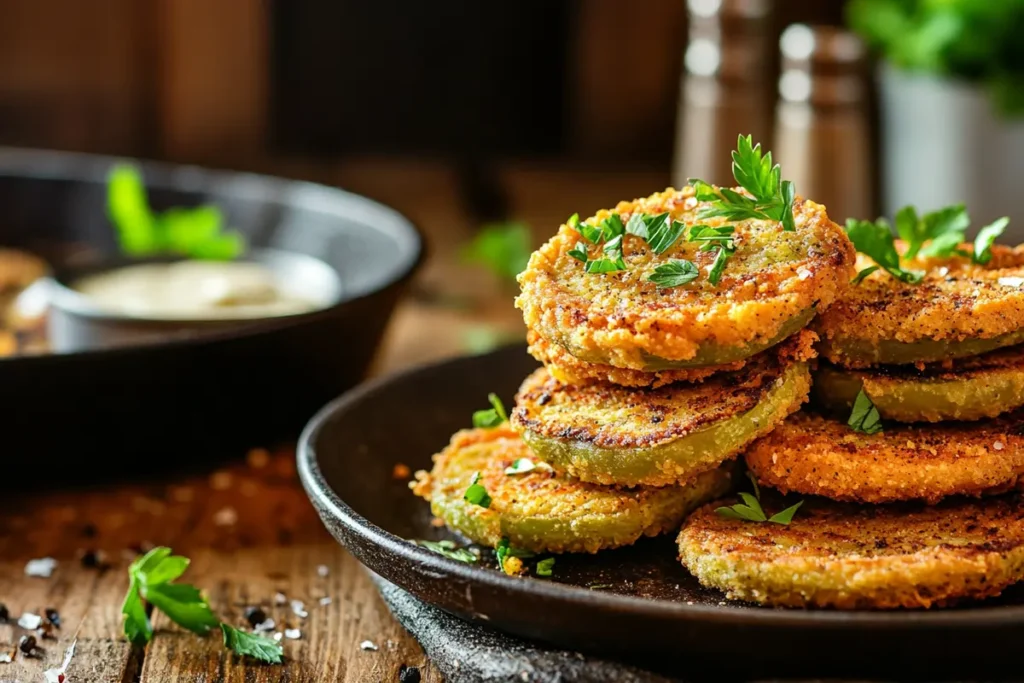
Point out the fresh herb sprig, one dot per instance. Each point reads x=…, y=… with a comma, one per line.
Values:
x=937, y=234
x=864, y=417
x=750, y=509
x=502, y=248
x=151, y=579
x=493, y=417
x=476, y=494
x=449, y=549
x=193, y=232
x=771, y=197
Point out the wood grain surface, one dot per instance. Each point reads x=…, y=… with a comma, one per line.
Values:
x=244, y=520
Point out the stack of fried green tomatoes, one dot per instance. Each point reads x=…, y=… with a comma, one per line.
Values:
x=912, y=449
x=673, y=333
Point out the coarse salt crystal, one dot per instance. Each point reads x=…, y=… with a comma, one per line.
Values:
x=280, y=599
x=368, y=645
x=42, y=567
x=278, y=636
x=323, y=570
x=998, y=445
x=292, y=633
x=299, y=608
x=267, y=625
x=29, y=621
x=325, y=601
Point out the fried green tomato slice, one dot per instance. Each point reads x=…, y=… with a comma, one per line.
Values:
x=540, y=511
x=817, y=455
x=969, y=389
x=568, y=369
x=612, y=435
x=860, y=557
x=771, y=287
x=960, y=309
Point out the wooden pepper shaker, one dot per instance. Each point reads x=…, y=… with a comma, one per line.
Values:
x=726, y=89
x=822, y=139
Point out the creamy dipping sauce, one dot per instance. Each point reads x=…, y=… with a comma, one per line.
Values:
x=193, y=290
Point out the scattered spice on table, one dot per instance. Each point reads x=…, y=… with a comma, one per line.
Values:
x=368, y=645
x=42, y=567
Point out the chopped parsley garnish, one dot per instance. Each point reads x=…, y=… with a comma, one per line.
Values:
x=502, y=248
x=674, y=273
x=193, y=232
x=257, y=647
x=938, y=234
x=771, y=197
x=545, y=566
x=521, y=466
x=750, y=509
x=504, y=550
x=151, y=578
x=476, y=494
x=864, y=418
x=986, y=238
x=449, y=549
x=863, y=273
x=492, y=417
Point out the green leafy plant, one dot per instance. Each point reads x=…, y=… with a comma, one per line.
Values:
x=750, y=509
x=151, y=579
x=864, y=417
x=973, y=40
x=502, y=248
x=491, y=417
x=192, y=232
x=476, y=494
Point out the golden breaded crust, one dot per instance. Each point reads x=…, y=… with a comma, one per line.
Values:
x=957, y=301
x=542, y=512
x=568, y=369
x=774, y=278
x=972, y=388
x=860, y=557
x=816, y=455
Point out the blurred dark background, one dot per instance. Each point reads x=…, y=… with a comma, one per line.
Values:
x=237, y=82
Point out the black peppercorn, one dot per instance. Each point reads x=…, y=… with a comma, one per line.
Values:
x=27, y=644
x=90, y=559
x=409, y=674
x=255, y=616
x=4, y=614
x=52, y=616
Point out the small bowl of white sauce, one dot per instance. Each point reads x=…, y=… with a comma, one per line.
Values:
x=116, y=304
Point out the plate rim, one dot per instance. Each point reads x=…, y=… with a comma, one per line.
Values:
x=323, y=497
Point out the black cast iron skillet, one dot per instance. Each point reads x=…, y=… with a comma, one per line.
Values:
x=635, y=603
x=160, y=405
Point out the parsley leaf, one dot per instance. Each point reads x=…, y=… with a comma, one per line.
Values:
x=936, y=234
x=750, y=509
x=771, y=197
x=875, y=239
x=476, y=494
x=606, y=265
x=196, y=232
x=449, y=549
x=674, y=273
x=864, y=418
x=662, y=231
x=493, y=417
x=521, y=466
x=546, y=566
x=579, y=252
x=137, y=628
x=718, y=266
x=184, y=605
x=257, y=647
x=986, y=238
x=502, y=248
x=863, y=274
x=504, y=550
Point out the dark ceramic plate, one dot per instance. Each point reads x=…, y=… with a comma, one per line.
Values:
x=636, y=603
x=161, y=403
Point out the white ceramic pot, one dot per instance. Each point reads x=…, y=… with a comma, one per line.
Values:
x=943, y=143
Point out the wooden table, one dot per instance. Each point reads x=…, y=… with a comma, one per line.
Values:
x=246, y=522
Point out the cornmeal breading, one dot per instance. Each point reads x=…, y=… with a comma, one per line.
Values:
x=960, y=309
x=860, y=556
x=540, y=511
x=770, y=288
x=815, y=455
x=612, y=435
x=971, y=388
